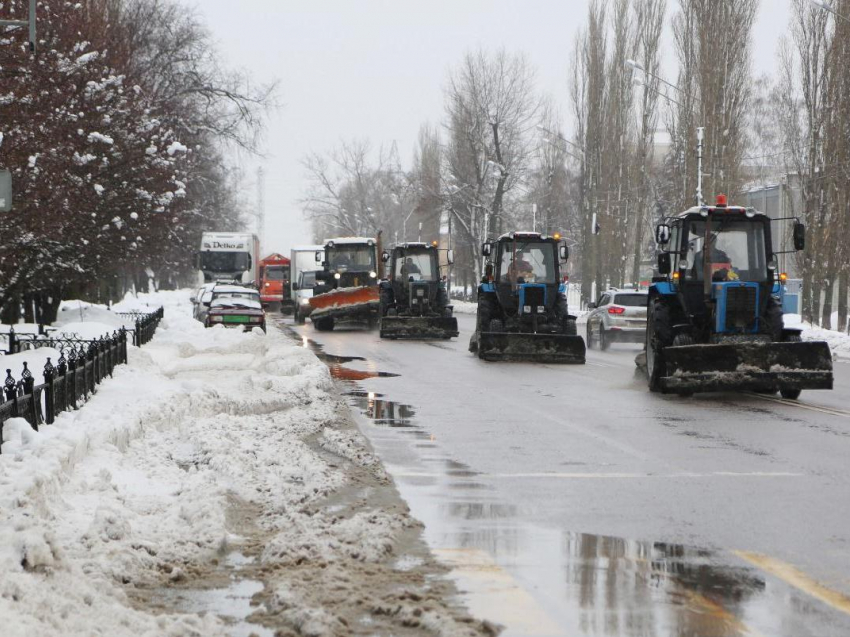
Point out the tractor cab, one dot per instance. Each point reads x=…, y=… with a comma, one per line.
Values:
x=348, y=262
x=720, y=260
x=523, y=269
x=413, y=271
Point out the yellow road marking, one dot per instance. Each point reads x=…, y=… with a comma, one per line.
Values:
x=798, y=579
x=793, y=403
x=493, y=594
x=700, y=603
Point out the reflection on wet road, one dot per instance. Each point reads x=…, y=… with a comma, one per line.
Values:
x=510, y=522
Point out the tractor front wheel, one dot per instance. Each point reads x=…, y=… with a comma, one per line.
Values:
x=658, y=336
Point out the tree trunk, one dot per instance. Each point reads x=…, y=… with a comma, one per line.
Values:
x=828, y=293
x=843, y=283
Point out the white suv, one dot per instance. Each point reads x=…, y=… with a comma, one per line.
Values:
x=619, y=316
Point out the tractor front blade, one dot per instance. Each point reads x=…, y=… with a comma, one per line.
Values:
x=747, y=366
x=418, y=327
x=533, y=347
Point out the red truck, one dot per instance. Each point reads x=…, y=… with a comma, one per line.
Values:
x=275, y=291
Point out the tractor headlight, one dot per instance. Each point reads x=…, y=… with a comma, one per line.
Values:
x=337, y=275
x=683, y=264
x=771, y=265
x=373, y=274
x=305, y=301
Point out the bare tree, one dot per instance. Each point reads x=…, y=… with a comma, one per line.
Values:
x=491, y=108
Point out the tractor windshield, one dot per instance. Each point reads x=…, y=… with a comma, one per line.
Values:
x=420, y=266
x=527, y=262
x=357, y=258
x=736, y=250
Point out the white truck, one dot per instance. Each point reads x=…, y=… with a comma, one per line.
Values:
x=303, y=260
x=231, y=257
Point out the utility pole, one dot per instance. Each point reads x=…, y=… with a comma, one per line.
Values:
x=700, y=133
x=261, y=203
x=28, y=23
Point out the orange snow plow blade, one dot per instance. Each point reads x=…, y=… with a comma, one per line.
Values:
x=346, y=303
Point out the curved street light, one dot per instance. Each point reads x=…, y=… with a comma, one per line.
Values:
x=827, y=6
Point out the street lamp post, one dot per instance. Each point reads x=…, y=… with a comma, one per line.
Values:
x=827, y=6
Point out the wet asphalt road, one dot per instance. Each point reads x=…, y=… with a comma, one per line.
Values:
x=572, y=501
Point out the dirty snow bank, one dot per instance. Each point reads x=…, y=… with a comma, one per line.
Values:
x=142, y=489
x=839, y=343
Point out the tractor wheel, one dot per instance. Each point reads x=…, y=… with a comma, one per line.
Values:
x=772, y=322
x=793, y=338
x=386, y=299
x=790, y=394
x=681, y=340
x=658, y=336
x=570, y=327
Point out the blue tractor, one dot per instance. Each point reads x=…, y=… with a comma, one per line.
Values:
x=522, y=306
x=714, y=320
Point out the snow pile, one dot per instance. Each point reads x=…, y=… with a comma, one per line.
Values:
x=839, y=343
x=137, y=490
x=464, y=307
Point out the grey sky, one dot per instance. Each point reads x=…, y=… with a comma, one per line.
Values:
x=375, y=69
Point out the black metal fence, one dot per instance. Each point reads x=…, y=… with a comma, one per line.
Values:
x=81, y=367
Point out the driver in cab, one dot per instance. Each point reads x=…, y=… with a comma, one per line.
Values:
x=721, y=265
x=520, y=270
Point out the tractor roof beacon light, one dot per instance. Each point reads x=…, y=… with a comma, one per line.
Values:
x=721, y=201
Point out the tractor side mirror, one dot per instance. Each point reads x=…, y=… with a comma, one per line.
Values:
x=488, y=271
x=485, y=249
x=799, y=236
x=385, y=256
x=662, y=234
x=563, y=252
x=320, y=255
x=294, y=286
x=450, y=257
x=664, y=263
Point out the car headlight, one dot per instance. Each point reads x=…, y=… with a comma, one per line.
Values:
x=337, y=275
x=216, y=318
x=373, y=274
x=255, y=319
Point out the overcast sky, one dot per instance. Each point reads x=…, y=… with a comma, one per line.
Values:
x=375, y=69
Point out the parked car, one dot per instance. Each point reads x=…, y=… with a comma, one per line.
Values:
x=619, y=316
x=303, y=291
x=201, y=301
x=233, y=306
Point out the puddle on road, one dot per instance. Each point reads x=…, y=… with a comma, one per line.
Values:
x=336, y=364
x=546, y=581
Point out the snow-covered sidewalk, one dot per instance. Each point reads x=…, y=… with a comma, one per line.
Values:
x=214, y=458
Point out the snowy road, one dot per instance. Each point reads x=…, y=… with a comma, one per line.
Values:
x=573, y=502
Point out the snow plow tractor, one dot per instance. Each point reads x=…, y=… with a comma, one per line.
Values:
x=414, y=301
x=715, y=317
x=522, y=306
x=347, y=286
